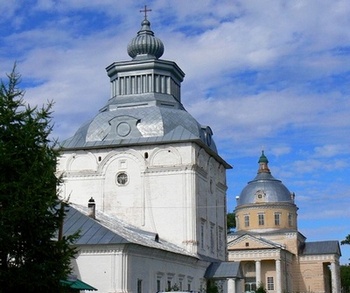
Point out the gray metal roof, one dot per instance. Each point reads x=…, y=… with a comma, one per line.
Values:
x=321, y=247
x=222, y=270
x=265, y=185
x=139, y=125
x=106, y=229
x=272, y=190
x=91, y=232
x=145, y=105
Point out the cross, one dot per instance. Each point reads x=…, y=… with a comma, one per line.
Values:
x=145, y=10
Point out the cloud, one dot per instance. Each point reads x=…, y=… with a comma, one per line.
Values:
x=331, y=150
x=263, y=74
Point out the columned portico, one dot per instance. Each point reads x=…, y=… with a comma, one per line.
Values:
x=278, y=276
x=335, y=277
x=231, y=285
x=258, y=272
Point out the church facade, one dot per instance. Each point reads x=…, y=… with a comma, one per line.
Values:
x=270, y=249
x=154, y=177
x=147, y=191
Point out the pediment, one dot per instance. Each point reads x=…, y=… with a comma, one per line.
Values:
x=248, y=241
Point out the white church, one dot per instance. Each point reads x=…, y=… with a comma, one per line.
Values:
x=147, y=191
x=153, y=179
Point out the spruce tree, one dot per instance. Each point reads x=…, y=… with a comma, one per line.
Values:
x=32, y=258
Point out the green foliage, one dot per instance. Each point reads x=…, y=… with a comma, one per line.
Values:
x=212, y=287
x=345, y=278
x=346, y=240
x=231, y=221
x=261, y=289
x=31, y=257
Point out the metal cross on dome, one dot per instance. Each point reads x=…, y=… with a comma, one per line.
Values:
x=145, y=10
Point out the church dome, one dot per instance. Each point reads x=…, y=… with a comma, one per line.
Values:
x=264, y=188
x=145, y=104
x=145, y=45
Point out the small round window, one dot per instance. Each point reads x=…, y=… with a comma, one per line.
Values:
x=122, y=178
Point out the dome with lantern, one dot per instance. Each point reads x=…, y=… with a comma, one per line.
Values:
x=264, y=187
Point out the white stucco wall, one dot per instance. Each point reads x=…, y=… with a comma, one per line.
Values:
x=117, y=268
x=171, y=190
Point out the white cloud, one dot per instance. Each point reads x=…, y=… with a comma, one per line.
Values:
x=263, y=74
x=331, y=150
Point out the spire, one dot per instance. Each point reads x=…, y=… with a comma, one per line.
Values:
x=145, y=45
x=263, y=164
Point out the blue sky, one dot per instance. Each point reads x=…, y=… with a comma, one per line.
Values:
x=272, y=75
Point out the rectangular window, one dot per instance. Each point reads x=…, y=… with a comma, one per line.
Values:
x=270, y=284
x=277, y=219
x=139, y=286
x=202, y=233
x=189, y=280
x=169, y=285
x=160, y=282
x=250, y=287
x=220, y=240
x=181, y=282
x=261, y=219
x=290, y=220
x=212, y=237
x=246, y=220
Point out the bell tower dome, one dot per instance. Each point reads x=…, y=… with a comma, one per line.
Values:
x=147, y=161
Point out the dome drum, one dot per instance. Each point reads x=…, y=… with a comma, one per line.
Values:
x=265, y=204
x=271, y=216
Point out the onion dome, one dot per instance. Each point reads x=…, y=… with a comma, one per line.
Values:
x=145, y=45
x=264, y=188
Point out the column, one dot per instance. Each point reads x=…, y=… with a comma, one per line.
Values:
x=258, y=272
x=231, y=285
x=278, y=276
x=335, y=275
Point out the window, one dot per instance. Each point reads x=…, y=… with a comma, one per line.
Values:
x=250, y=287
x=270, y=284
x=159, y=282
x=290, y=220
x=261, y=219
x=169, y=285
x=246, y=220
x=189, y=280
x=170, y=282
x=202, y=233
x=212, y=238
x=181, y=282
x=211, y=188
x=220, y=240
x=158, y=285
x=122, y=178
x=139, y=286
x=277, y=219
